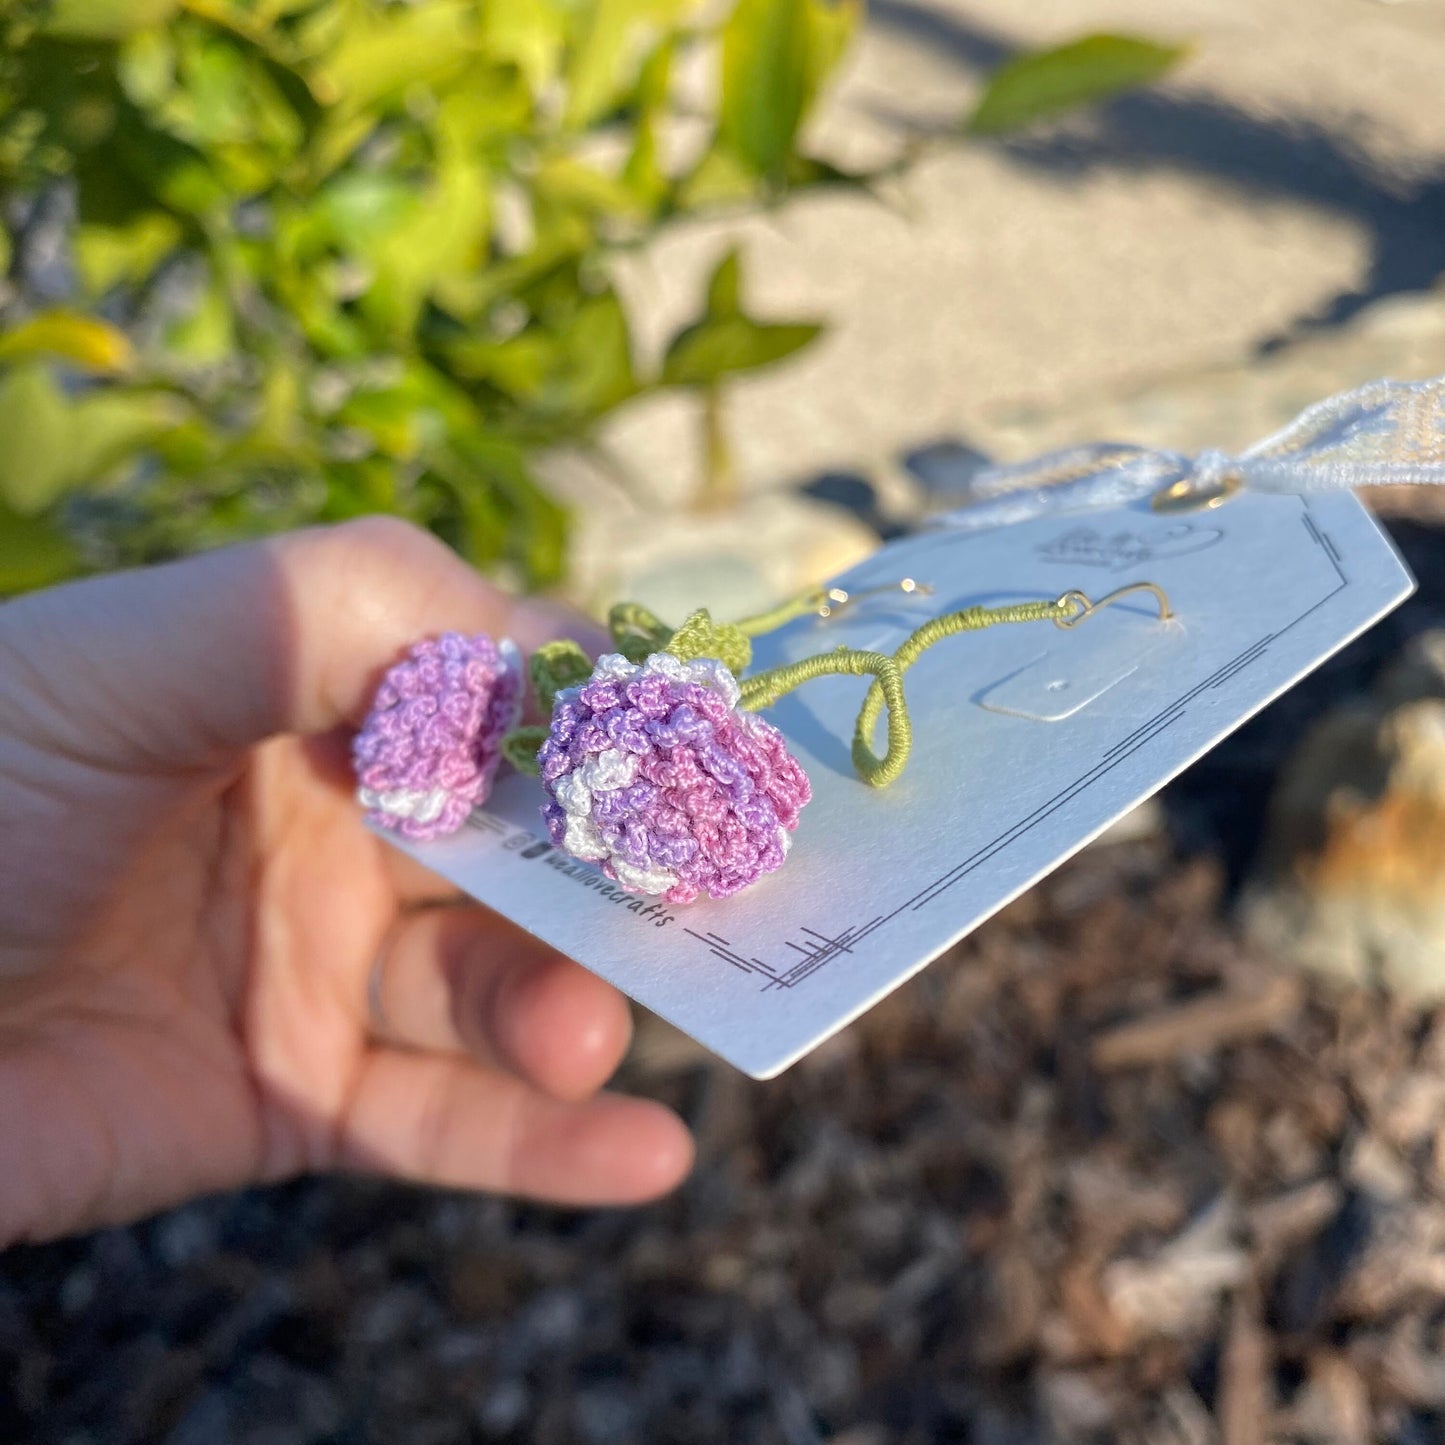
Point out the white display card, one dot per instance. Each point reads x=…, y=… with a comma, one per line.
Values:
x=1028, y=742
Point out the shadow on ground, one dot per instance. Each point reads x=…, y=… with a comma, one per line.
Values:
x=1298, y=160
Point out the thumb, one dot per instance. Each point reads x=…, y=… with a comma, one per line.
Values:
x=177, y=666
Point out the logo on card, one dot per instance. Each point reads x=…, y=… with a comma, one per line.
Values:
x=1085, y=546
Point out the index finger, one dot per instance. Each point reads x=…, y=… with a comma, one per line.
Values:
x=170, y=665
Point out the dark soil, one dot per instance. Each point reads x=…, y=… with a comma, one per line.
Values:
x=1099, y=1175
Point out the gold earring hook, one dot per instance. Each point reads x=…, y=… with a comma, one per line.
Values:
x=1088, y=608
x=832, y=600
x=1185, y=496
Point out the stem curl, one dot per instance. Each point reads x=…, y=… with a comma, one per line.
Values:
x=766, y=688
x=886, y=690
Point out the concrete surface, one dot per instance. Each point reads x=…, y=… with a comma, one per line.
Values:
x=1290, y=173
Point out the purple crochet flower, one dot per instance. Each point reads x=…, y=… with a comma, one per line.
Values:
x=432, y=741
x=656, y=774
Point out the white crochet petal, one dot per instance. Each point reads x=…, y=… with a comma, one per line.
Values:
x=572, y=792
x=424, y=806
x=712, y=673
x=607, y=771
x=613, y=667
x=642, y=880
x=430, y=806
x=582, y=840
x=664, y=664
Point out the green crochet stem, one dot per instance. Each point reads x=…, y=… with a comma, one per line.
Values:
x=886, y=691
x=638, y=632
x=784, y=612
x=766, y=688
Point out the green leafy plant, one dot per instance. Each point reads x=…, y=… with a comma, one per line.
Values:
x=277, y=261
x=722, y=343
x=341, y=256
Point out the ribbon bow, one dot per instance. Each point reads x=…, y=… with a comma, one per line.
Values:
x=1382, y=433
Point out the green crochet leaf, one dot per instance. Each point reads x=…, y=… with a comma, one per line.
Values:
x=556, y=665
x=519, y=747
x=700, y=636
x=636, y=631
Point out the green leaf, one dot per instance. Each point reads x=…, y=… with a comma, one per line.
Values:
x=94, y=345
x=104, y=19
x=720, y=178
x=700, y=636
x=106, y=255
x=146, y=67
x=443, y=240
x=530, y=36
x=109, y=427
x=726, y=340
x=712, y=349
x=363, y=206
x=594, y=371
x=765, y=80
x=605, y=61
x=1050, y=82
x=54, y=444
x=536, y=532
x=568, y=181
x=398, y=423
x=208, y=334
x=723, y=287
x=813, y=173
x=519, y=366
x=555, y=665
x=832, y=24
x=521, y=746
x=34, y=552
x=643, y=173
x=34, y=462
x=776, y=57
x=637, y=631
x=384, y=51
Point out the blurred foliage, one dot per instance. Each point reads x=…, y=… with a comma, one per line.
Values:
x=1043, y=84
x=338, y=256
x=723, y=342
x=278, y=261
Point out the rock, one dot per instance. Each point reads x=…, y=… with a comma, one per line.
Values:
x=945, y=469
x=1350, y=875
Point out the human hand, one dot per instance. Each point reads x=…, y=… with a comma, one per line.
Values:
x=190, y=908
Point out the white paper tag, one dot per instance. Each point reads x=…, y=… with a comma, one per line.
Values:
x=1006, y=780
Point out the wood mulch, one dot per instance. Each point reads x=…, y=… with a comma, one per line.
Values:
x=1099, y=1175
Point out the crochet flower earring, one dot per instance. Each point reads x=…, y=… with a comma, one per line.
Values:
x=657, y=767
x=430, y=747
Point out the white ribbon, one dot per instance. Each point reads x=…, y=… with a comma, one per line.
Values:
x=1383, y=433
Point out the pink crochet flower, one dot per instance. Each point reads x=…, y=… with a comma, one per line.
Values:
x=656, y=774
x=432, y=741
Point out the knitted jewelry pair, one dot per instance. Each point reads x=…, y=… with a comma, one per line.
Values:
x=656, y=764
